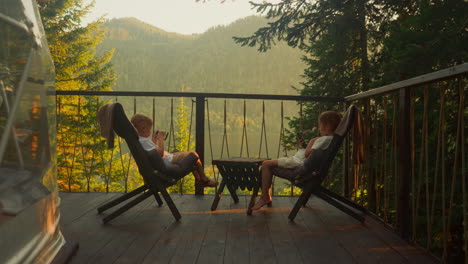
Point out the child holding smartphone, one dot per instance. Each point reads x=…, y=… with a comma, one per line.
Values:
x=143, y=126
x=328, y=121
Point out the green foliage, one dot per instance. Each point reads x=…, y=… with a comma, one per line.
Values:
x=351, y=46
x=335, y=37
x=183, y=135
x=287, y=190
x=73, y=49
x=433, y=36
x=149, y=59
x=73, y=46
x=184, y=142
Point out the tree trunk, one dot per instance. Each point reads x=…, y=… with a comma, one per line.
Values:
x=361, y=8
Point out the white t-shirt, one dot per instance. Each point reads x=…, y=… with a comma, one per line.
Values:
x=322, y=142
x=148, y=145
x=298, y=158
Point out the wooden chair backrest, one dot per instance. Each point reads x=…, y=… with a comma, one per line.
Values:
x=125, y=130
x=321, y=160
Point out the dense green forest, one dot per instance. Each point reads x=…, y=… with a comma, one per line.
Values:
x=322, y=48
x=149, y=59
x=353, y=46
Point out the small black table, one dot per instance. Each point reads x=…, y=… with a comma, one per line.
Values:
x=239, y=173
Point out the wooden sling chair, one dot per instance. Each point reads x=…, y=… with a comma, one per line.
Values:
x=310, y=176
x=157, y=175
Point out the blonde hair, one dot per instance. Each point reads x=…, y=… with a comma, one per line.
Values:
x=138, y=120
x=330, y=118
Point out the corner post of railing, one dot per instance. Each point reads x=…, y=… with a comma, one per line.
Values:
x=404, y=165
x=200, y=135
x=346, y=162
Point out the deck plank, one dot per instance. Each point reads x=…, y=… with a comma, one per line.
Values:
x=178, y=236
x=311, y=238
x=195, y=226
x=93, y=236
x=148, y=234
x=284, y=245
x=82, y=203
x=237, y=245
x=260, y=243
x=121, y=233
x=214, y=243
x=149, y=228
x=411, y=253
x=125, y=233
x=359, y=241
x=319, y=246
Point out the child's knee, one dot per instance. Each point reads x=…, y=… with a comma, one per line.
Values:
x=268, y=164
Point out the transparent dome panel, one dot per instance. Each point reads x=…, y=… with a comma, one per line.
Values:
x=15, y=47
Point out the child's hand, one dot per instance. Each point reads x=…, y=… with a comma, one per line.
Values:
x=154, y=136
x=301, y=142
x=159, y=134
x=311, y=142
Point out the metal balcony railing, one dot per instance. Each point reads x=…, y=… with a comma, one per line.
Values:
x=221, y=123
x=412, y=175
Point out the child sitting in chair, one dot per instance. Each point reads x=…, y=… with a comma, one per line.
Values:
x=143, y=126
x=328, y=121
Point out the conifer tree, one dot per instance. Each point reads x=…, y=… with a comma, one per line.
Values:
x=184, y=142
x=429, y=36
x=77, y=67
x=355, y=45
x=334, y=35
x=399, y=39
x=338, y=38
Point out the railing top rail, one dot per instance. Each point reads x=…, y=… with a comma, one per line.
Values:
x=448, y=73
x=206, y=95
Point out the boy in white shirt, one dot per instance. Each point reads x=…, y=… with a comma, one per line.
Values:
x=143, y=126
x=328, y=121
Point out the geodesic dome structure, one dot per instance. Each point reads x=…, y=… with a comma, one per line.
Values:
x=29, y=215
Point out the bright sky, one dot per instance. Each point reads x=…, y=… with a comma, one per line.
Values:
x=181, y=16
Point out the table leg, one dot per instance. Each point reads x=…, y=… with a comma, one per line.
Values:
x=233, y=193
x=252, y=200
x=218, y=195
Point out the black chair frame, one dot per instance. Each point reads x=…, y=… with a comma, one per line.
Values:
x=155, y=181
x=310, y=176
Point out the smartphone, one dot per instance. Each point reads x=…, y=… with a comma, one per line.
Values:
x=165, y=134
x=300, y=138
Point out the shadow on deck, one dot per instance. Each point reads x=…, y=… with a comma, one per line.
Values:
x=148, y=234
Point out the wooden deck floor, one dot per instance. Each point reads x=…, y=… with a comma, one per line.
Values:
x=148, y=234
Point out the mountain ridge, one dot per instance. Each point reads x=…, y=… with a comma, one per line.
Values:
x=125, y=24
x=148, y=58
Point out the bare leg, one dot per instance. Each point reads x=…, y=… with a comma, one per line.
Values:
x=200, y=175
x=200, y=171
x=196, y=175
x=267, y=178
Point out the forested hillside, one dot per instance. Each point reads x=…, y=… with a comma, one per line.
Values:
x=412, y=171
x=147, y=58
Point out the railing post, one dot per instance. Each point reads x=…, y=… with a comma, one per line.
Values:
x=346, y=161
x=346, y=168
x=200, y=135
x=404, y=165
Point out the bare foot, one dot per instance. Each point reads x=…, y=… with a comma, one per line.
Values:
x=260, y=203
x=208, y=183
